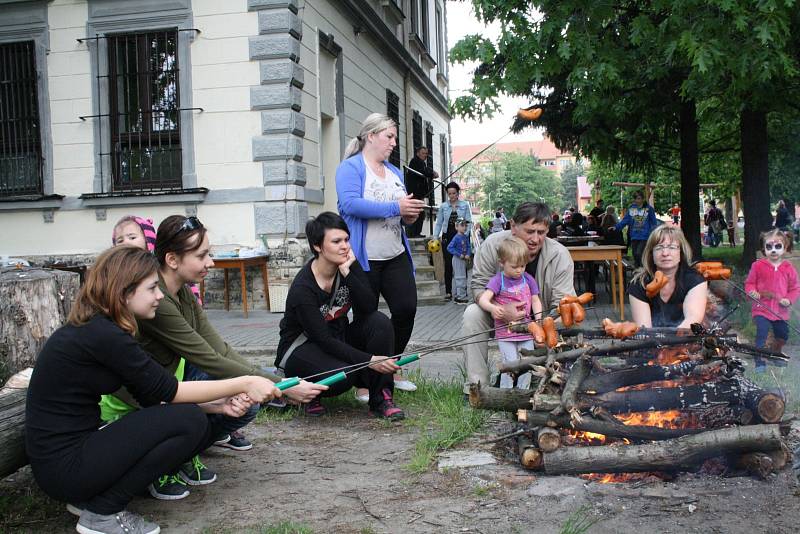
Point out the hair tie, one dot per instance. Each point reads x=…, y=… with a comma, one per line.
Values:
x=359, y=138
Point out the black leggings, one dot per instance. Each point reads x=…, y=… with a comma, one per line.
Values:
x=394, y=279
x=118, y=462
x=372, y=334
x=448, y=266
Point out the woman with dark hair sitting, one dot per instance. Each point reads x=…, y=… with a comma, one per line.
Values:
x=316, y=335
x=99, y=471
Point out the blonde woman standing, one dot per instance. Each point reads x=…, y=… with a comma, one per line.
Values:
x=374, y=202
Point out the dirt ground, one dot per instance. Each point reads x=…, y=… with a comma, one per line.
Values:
x=345, y=473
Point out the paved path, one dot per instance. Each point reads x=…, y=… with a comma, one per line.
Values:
x=433, y=324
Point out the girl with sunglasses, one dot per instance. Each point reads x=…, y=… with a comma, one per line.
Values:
x=99, y=471
x=180, y=329
x=773, y=282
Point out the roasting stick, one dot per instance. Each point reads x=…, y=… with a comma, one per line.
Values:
x=402, y=359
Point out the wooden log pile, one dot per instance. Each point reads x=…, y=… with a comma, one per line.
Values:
x=664, y=401
x=33, y=304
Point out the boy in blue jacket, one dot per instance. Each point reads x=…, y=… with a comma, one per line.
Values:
x=459, y=248
x=641, y=220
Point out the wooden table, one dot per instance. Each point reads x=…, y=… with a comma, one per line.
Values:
x=612, y=254
x=241, y=264
x=568, y=240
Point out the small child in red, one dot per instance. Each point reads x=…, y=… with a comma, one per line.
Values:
x=773, y=281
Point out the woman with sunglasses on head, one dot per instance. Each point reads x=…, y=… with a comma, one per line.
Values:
x=100, y=471
x=773, y=282
x=682, y=300
x=180, y=328
x=317, y=338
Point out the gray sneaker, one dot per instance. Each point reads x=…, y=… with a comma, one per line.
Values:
x=123, y=522
x=195, y=473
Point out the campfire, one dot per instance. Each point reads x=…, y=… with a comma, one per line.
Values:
x=656, y=402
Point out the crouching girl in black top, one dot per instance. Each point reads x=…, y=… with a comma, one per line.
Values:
x=316, y=335
x=99, y=471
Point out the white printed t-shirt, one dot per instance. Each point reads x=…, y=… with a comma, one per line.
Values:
x=384, y=235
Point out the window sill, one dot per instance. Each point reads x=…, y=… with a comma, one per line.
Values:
x=416, y=42
x=427, y=60
x=392, y=11
x=37, y=202
x=126, y=198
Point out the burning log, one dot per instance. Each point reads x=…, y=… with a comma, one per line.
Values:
x=602, y=383
x=523, y=365
x=577, y=374
x=678, y=454
x=731, y=391
x=611, y=429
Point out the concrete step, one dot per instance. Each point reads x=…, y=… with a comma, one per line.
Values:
x=425, y=273
x=429, y=289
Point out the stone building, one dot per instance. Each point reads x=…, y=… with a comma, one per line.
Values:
x=236, y=111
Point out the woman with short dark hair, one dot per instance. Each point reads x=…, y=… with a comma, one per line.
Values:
x=318, y=339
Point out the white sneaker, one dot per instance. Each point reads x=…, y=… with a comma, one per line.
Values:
x=364, y=397
x=404, y=385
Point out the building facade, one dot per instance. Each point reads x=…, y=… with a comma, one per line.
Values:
x=235, y=111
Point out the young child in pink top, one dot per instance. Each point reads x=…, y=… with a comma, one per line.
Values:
x=773, y=282
x=515, y=291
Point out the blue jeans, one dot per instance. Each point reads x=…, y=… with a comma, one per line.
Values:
x=221, y=425
x=779, y=328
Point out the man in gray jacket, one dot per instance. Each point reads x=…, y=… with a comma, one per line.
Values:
x=549, y=263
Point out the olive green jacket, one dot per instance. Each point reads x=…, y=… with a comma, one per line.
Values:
x=181, y=329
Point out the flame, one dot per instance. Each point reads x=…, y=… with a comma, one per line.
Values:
x=663, y=419
x=618, y=478
x=670, y=356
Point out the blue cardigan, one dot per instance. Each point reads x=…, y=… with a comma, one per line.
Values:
x=351, y=174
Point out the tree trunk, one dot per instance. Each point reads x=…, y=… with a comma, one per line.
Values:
x=755, y=180
x=678, y=454
x=12, y=431
x=499, y=400
x=690, y=176
x=33, y=304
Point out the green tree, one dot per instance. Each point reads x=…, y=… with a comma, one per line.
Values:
x=569, y=185
x=648, y=84
x=514, y=178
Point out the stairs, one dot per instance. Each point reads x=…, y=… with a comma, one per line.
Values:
x=429, y=290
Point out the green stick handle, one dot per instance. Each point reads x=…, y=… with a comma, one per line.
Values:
x=287, y=383
x=338, y=377
x=407, y=359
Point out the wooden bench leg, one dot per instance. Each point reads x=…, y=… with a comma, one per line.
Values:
x=244, y=290
x=265, y=276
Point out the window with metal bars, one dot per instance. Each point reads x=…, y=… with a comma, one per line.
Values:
x=21, y=163
x=429, y=142
x=416, y=131
x=393, y=112
x=144, y=111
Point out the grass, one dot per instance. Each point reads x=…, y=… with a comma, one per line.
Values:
x=578, y=522
x=284, y=527
x=727, y=255
x=437, y=408
x=442, y=415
